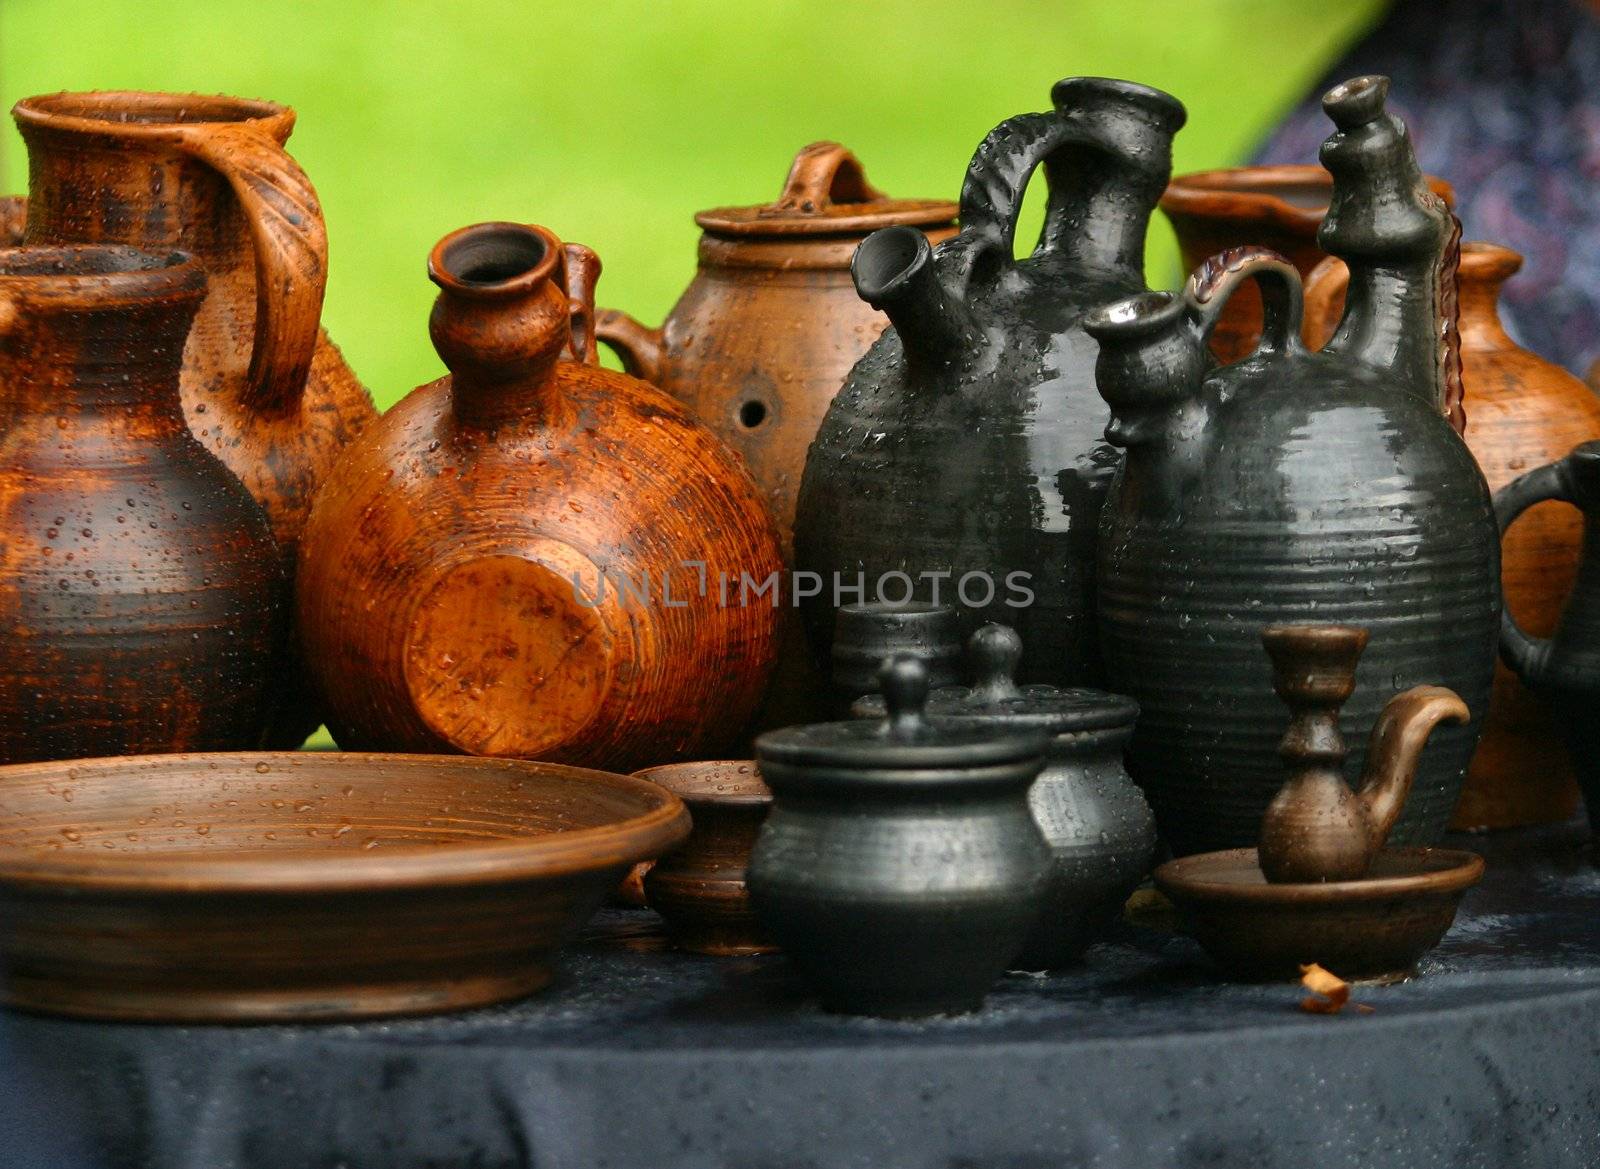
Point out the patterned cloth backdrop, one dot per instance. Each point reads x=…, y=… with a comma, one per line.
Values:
x=1503, y=100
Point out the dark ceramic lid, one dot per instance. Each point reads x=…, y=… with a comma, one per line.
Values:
x=905, y=739
x=997, y=701
x=826, y=194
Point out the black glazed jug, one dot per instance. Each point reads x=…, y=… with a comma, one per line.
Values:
x=1296, y=487
x=1564, y=669
x=968, y=444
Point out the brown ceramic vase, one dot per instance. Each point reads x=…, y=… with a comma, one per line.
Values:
x=141, y=599
x=1522, y=412
x=528, y=556
x=1276, y=207
x=263, y=387
x=282, y=886
x=699, y=888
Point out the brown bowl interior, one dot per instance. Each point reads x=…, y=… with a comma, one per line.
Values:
x=723, y=781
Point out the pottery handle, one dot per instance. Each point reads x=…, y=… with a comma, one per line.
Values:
x=1395, y=750
x=580, y=273
x=638, y=346
x=1282, y=299
x=997, y=179
x=822, y=175
x=291, y=253
x=1524, y=653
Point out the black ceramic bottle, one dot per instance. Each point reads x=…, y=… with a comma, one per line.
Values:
x=969, y=441
x=1098, y=826
x=900, y=867
x=1564, y=669
x=1296, y=487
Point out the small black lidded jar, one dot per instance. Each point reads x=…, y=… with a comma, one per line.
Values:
x=901, y=868
x=867, y=632
x=1100, y=830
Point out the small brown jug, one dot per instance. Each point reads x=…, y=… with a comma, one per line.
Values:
x=140, y=590
x=531, y=556
x=263, y=387
x=1522, y=411
x=1316, y=828
x=761, y=339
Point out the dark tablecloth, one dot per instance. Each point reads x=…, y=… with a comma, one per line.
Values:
x=645, y=1057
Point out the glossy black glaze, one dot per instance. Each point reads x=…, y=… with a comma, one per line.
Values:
x=900, y=866
x=1296, y=487
x=1564, y=669
x=969, y=438
x=1099, y=828
x=866, y=633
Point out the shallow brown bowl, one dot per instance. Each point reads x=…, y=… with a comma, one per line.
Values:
x=235, y=887
x=699, y=888
x=1377, y=927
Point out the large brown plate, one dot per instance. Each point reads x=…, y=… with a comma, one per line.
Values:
x=281, y=886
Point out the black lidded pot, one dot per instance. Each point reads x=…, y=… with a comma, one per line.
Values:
x=1101, y=833
x=901, y=868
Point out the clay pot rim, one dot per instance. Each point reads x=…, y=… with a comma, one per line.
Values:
x=1436, y=872
x=1235, y=192
x=1489, y=261
x=680, y=779
x=73, y=110
x=662, y=823
x=521, y=283
x=93, y=276
x=840, y=219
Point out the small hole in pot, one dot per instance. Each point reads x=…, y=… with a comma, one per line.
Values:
x=752, y=414
x=493, y=255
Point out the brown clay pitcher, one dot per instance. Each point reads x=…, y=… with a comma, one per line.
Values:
x=532, y=556
x=1276, y=207
x=141, y=599
x=1522, y=412
x=761, y=339
x=263, y=387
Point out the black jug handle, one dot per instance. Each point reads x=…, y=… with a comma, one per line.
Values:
x=1215, y=281
x=1563, y=480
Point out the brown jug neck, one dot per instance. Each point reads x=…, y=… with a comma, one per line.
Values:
x=96, y=330
x=502, y=321
x=92, y=152
x=1483, y=272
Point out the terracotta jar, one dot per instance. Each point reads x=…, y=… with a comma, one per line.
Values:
x=965, y=458
x=900, y=867
x=763, y=336
x=263, y=387
x=1563, y=668
x=1522, y=412
x=1277, y=207
x=140, y=592
x=1296, y=487
x=536, y=557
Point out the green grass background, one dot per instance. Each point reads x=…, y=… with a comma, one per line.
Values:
x=613, y=121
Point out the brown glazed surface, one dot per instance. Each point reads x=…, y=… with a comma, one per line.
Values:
x=141, y=600
x=282, y=886
x=210, y=175
x=1277, y=207
x=1522, y=412
x=450, y=583
x=762, y=338
x=699, y=888
x=1377, y=927
x=13, y=219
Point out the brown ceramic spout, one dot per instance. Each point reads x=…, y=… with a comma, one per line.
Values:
x=1317, y=829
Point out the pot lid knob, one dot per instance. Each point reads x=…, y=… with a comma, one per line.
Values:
x=994, y=651
x=903, y=678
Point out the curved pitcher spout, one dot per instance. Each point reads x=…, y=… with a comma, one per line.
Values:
x=894, y=272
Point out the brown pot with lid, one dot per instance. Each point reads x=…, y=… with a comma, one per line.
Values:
x=761, y=339
x=1522, y=412
x=1277, y=207
x=263, y=388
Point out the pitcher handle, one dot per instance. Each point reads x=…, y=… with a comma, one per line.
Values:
x=1282, y=298
x=291, y=253
x=1524, y=653
x=638, y=345
x=580, y=272
x=991, y=195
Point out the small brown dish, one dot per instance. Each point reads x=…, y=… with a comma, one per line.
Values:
x=699, y=889
x=1376, y=927
x=305, y=886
